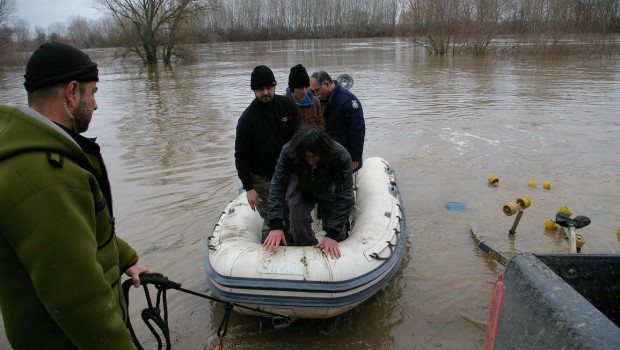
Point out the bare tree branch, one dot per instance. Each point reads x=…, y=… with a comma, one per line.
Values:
x=151, y=28
x=7, y=8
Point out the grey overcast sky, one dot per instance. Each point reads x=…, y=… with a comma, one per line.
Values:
x=44, y=12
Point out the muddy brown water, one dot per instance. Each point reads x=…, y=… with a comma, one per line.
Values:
x=445, y=124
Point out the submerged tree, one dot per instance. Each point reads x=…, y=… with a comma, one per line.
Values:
x=443, y=26
x=152, y=28
x=436, y=24
x=481, y=25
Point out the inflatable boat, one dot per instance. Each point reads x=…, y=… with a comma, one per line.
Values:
x=301, y=282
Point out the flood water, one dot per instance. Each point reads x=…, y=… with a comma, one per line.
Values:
x=444, y=123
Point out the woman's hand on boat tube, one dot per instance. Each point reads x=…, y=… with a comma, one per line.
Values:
x=330, y=247
x=272, y=242
x=253, y=199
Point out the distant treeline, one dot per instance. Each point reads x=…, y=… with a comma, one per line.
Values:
x=441, y=26
x=456, y=25
x=293, y=19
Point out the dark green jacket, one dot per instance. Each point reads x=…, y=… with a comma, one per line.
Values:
x=60, y=261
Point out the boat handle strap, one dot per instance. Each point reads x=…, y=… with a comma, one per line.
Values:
x=376, y=256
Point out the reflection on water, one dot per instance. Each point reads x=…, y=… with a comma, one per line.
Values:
x=444, y=123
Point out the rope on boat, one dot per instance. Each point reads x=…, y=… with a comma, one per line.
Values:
x=389, y=244
x=153, y=312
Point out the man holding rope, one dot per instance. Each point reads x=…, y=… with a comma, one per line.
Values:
x=60, y=259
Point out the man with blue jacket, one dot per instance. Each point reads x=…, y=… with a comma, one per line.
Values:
x=343, y=113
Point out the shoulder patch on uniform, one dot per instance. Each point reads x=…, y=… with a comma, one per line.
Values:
x=354, y=104
x=56, y=159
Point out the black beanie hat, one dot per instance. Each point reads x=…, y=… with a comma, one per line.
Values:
x=262, y=76
x=298, y=77
x=54, y=63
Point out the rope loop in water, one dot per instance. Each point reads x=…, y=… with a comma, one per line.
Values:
x=152, y=317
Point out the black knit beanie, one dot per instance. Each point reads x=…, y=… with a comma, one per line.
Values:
x=298, y=78
x=262, y=76
x=54, y=63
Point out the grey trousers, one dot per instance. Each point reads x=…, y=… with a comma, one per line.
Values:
x=301, y=206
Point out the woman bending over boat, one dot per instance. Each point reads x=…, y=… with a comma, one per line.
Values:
x=312, y=170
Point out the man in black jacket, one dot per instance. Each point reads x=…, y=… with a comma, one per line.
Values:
x=264, y=127
x=312, y=169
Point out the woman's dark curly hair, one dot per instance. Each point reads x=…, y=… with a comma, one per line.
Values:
x=314, y=140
